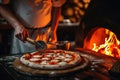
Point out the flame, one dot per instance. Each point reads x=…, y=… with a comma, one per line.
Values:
x=68, y=44
x=110, y=47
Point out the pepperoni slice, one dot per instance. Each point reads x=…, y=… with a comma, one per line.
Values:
x=27, y=56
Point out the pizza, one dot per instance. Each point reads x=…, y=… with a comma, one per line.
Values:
x=51, y=59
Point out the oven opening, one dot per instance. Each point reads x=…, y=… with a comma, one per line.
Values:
x=103, y=41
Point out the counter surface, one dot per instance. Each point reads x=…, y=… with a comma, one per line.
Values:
x=97, y=70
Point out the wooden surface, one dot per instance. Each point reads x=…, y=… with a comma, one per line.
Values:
x=18, y=66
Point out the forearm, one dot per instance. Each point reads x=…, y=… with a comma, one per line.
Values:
x=8, y=16
x=56, y=12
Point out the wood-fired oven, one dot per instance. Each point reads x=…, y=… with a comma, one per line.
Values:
x=100, y=26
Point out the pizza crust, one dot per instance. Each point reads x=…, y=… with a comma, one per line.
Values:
x=60, y=65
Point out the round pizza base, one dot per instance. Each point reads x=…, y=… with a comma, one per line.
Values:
x=77, y=60
x=21, y=68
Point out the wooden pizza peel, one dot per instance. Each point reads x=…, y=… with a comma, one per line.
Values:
x=21, y=68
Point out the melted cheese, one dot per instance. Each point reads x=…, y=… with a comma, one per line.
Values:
x=45, y=58
x=68, y=55
x=54, y=60
x=62, y=63
x=43, y=62
x=37, y=56
x=67, y=59
x=34, y=59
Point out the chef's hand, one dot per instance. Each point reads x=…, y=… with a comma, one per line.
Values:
x=21, y=33
x=52, y=37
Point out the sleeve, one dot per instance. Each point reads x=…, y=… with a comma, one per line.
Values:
x=58, y=3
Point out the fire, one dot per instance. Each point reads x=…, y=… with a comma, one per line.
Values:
x=68, y=44
x=110, y=47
